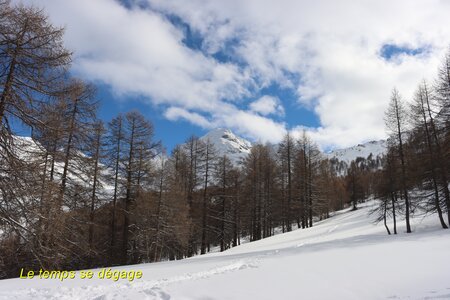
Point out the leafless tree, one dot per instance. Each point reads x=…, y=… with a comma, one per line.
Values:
x=395, y=120
x=33, y=61
x=429, y=160
x=286, y=153
x=138, y=142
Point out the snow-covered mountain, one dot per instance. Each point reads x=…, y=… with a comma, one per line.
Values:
x=237, y=148
x=227, y=143
x=376, y=148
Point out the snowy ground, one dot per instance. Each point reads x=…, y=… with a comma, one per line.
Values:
x=344, y=257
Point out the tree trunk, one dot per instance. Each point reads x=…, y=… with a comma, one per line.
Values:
x=402, y=160
x=310, y=204
x=443, y=173
x=128, y=197
x=205, y=206
x=235, y=215
x=289, y=185
x=94, y=189
x=67, y=154
x=384, y=217
x=393, y=198
x=432, y=161
x=158, y=211
x=116, y=185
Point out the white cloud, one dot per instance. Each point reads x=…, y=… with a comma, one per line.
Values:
x=327, y=52
x=140, y=51
x=245, y=123
x=177, y=113
x=333, y=47
x=251, y=125
x=267, y=105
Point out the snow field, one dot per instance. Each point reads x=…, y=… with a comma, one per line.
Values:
x=344, y=257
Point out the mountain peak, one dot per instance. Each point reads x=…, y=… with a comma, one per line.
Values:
x=219, y=133
x=227, y=143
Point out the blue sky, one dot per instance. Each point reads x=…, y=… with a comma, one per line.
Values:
x=260, y=68
x=392, y=51
x=170, y=133
x=175, y=132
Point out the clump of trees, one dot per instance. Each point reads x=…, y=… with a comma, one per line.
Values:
x=56, y=187
x=414, y=178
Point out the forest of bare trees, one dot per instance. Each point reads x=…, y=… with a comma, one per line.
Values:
x=80, y=193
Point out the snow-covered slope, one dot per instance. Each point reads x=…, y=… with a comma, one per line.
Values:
x=376, y=148
x=344, y=257
x=227, y=143
x=30, y=150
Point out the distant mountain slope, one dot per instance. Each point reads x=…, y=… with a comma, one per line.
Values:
x=372, y=153
x=376, y=148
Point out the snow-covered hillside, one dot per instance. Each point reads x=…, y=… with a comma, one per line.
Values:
x=227, y=143
x=376, y=148
x=344, y=257
x=30, y=150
